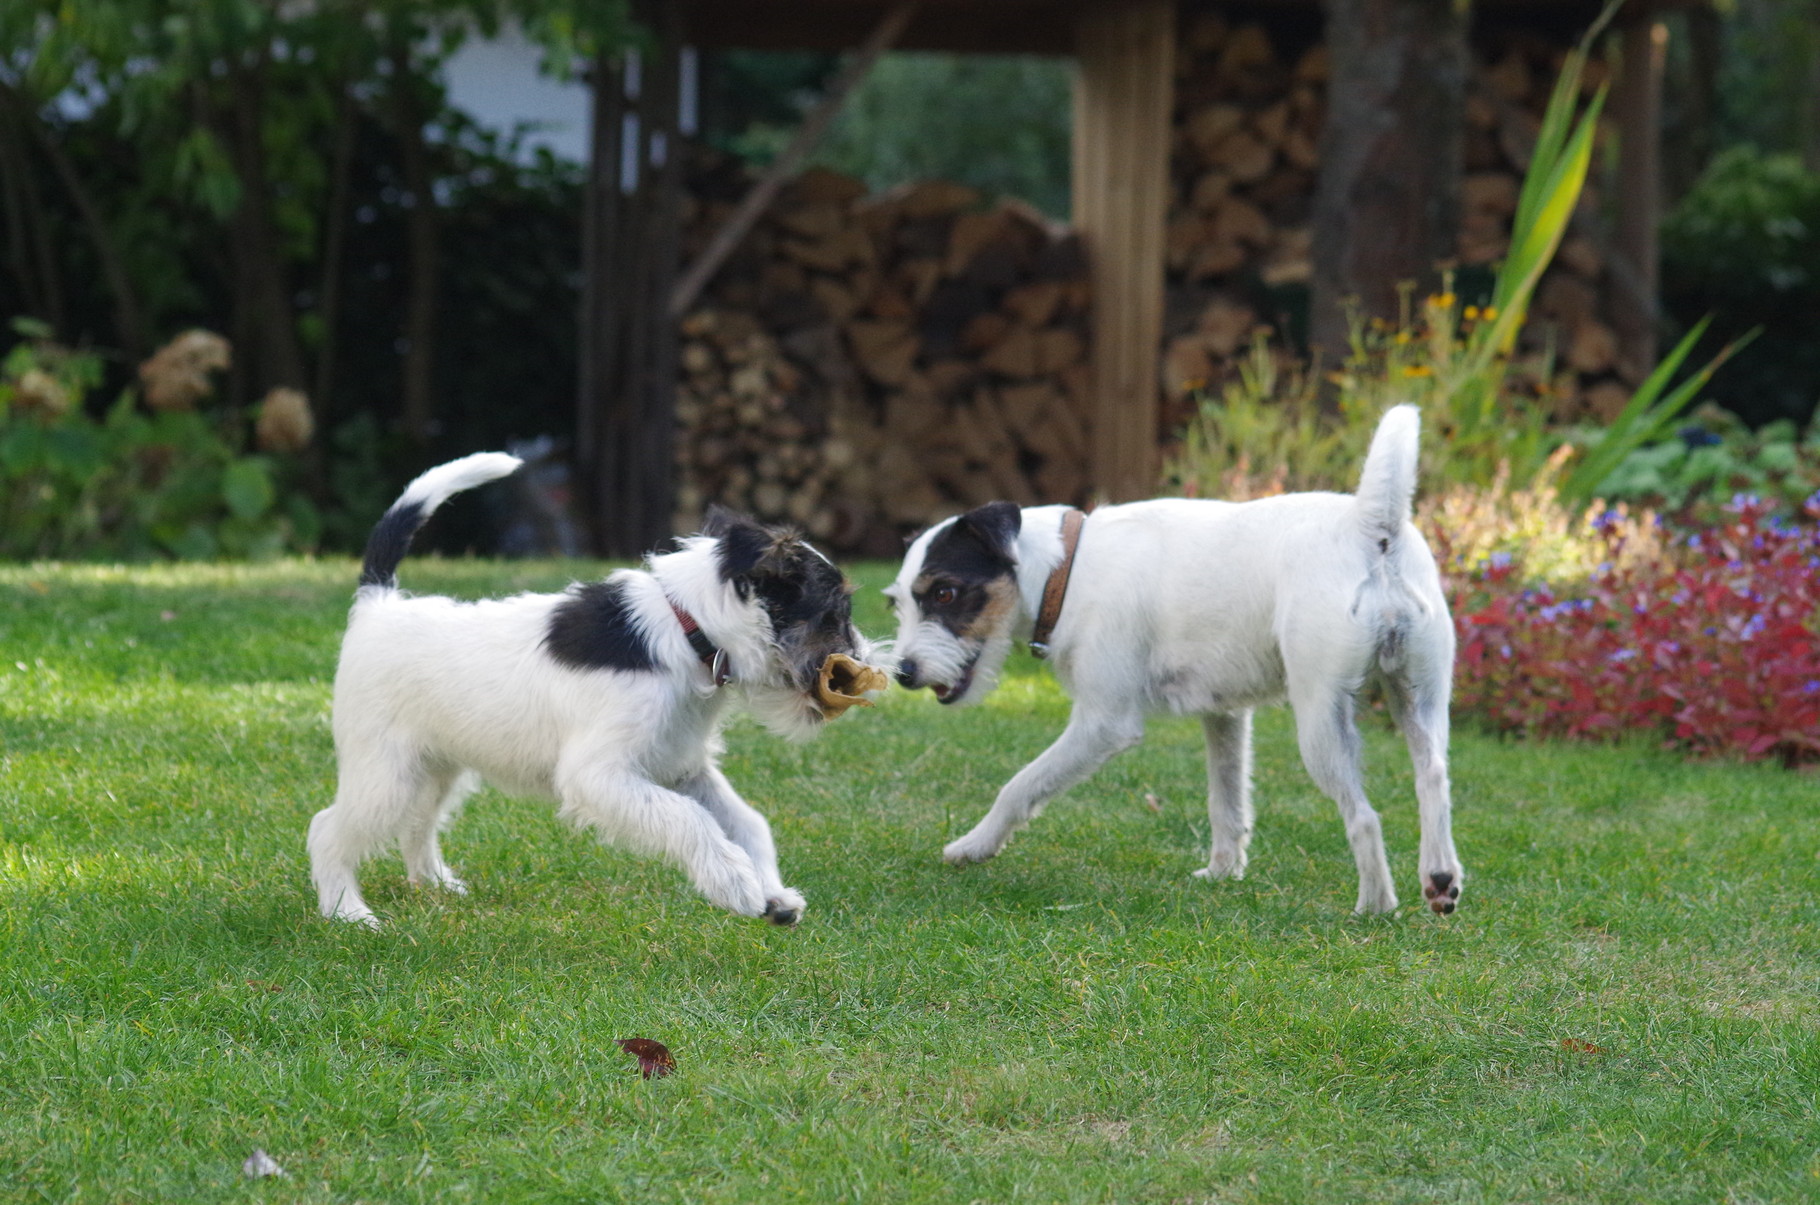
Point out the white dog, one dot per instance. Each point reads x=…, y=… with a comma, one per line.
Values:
x=1210, y=609
x=608, y=697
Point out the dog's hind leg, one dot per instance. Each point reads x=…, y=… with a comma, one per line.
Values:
x=1228, y=793
x=1088, y=742
x=628, y=809
x=1329, y=737
x=442, y=795
x=747, y=828
x=1420, y=709
x=372, y=802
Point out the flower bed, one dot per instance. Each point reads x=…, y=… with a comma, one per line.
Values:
x=1716, y=644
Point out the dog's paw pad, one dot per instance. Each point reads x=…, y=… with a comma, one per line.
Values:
x=1442, y=891
x=782, y=914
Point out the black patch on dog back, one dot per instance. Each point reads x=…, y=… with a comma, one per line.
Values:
x=390, y=540
x=592, y=629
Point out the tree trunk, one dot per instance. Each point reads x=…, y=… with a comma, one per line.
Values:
x=1387, y=201
x=268, y=315
x=1691, y=149
x=334, y=239
x=129, y=329
x=627, y=397
x=1634, y=266
x=421, y=235
x=1810, y=142
x=29, y=249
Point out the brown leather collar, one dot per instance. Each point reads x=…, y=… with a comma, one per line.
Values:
x=1057, y=587
x=714, y=658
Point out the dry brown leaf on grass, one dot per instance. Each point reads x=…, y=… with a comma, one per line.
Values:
x=654, y=1058
x=1576, y=1046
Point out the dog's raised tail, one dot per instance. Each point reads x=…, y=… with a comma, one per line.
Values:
x=1387, y=485
x=391, y=537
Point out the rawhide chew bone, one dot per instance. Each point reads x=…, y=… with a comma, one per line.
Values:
x=844, y=683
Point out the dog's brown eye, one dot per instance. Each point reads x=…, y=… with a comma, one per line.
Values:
x=944, y=596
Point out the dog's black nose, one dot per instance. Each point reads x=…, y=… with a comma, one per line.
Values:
x=906, y=673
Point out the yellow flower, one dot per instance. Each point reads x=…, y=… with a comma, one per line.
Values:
x=1442, y=301
x=1402, y=338
x=1471, y=312
x=1417, y=370
x=1491, y=313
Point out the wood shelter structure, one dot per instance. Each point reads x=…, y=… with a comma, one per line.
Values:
x=1126, y=56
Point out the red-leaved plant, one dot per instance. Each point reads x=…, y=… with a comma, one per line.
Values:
x=1716, y=646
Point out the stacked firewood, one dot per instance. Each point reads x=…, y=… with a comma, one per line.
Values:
x=866, y=364
x=1248, y=128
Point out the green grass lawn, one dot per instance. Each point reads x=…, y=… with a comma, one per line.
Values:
x=1624, y=1009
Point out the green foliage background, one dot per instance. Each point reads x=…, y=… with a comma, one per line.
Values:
x=999, y=123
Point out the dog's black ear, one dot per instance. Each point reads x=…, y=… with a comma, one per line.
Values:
x=997, y=525
x=744, y=541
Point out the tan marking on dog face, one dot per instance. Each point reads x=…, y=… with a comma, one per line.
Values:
x=971, y=610
x=1001, y=605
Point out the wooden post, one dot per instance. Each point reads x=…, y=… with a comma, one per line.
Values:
x=1387, y=201
x=1122, y=97
x=626, y=416
x=1645, y=51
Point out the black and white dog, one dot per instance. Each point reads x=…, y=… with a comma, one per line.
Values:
x=1212, y=609
x=608, y=697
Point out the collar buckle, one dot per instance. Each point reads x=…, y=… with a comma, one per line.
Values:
x=715, y=659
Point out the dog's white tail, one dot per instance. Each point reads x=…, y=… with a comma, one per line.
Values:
x=1387, y=485
x=391, y=537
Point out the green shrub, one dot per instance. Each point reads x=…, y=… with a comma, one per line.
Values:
x=1744, y=246
x=130, y=483
x=1715, y=457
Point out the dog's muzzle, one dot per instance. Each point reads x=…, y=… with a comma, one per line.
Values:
x=910, y=677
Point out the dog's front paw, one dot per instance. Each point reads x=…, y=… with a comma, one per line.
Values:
x=732, y=882
x=1224, y=862
x=1441, y=888
x=362, y=916
x=971, y=848
x=1375, y=899
x=444, y=880
x=785, y=906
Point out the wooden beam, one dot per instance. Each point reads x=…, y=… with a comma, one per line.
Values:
x=753, y=205
x=958, y=26
x=626, y=412
x=1644, y=47
x=1122, y=99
